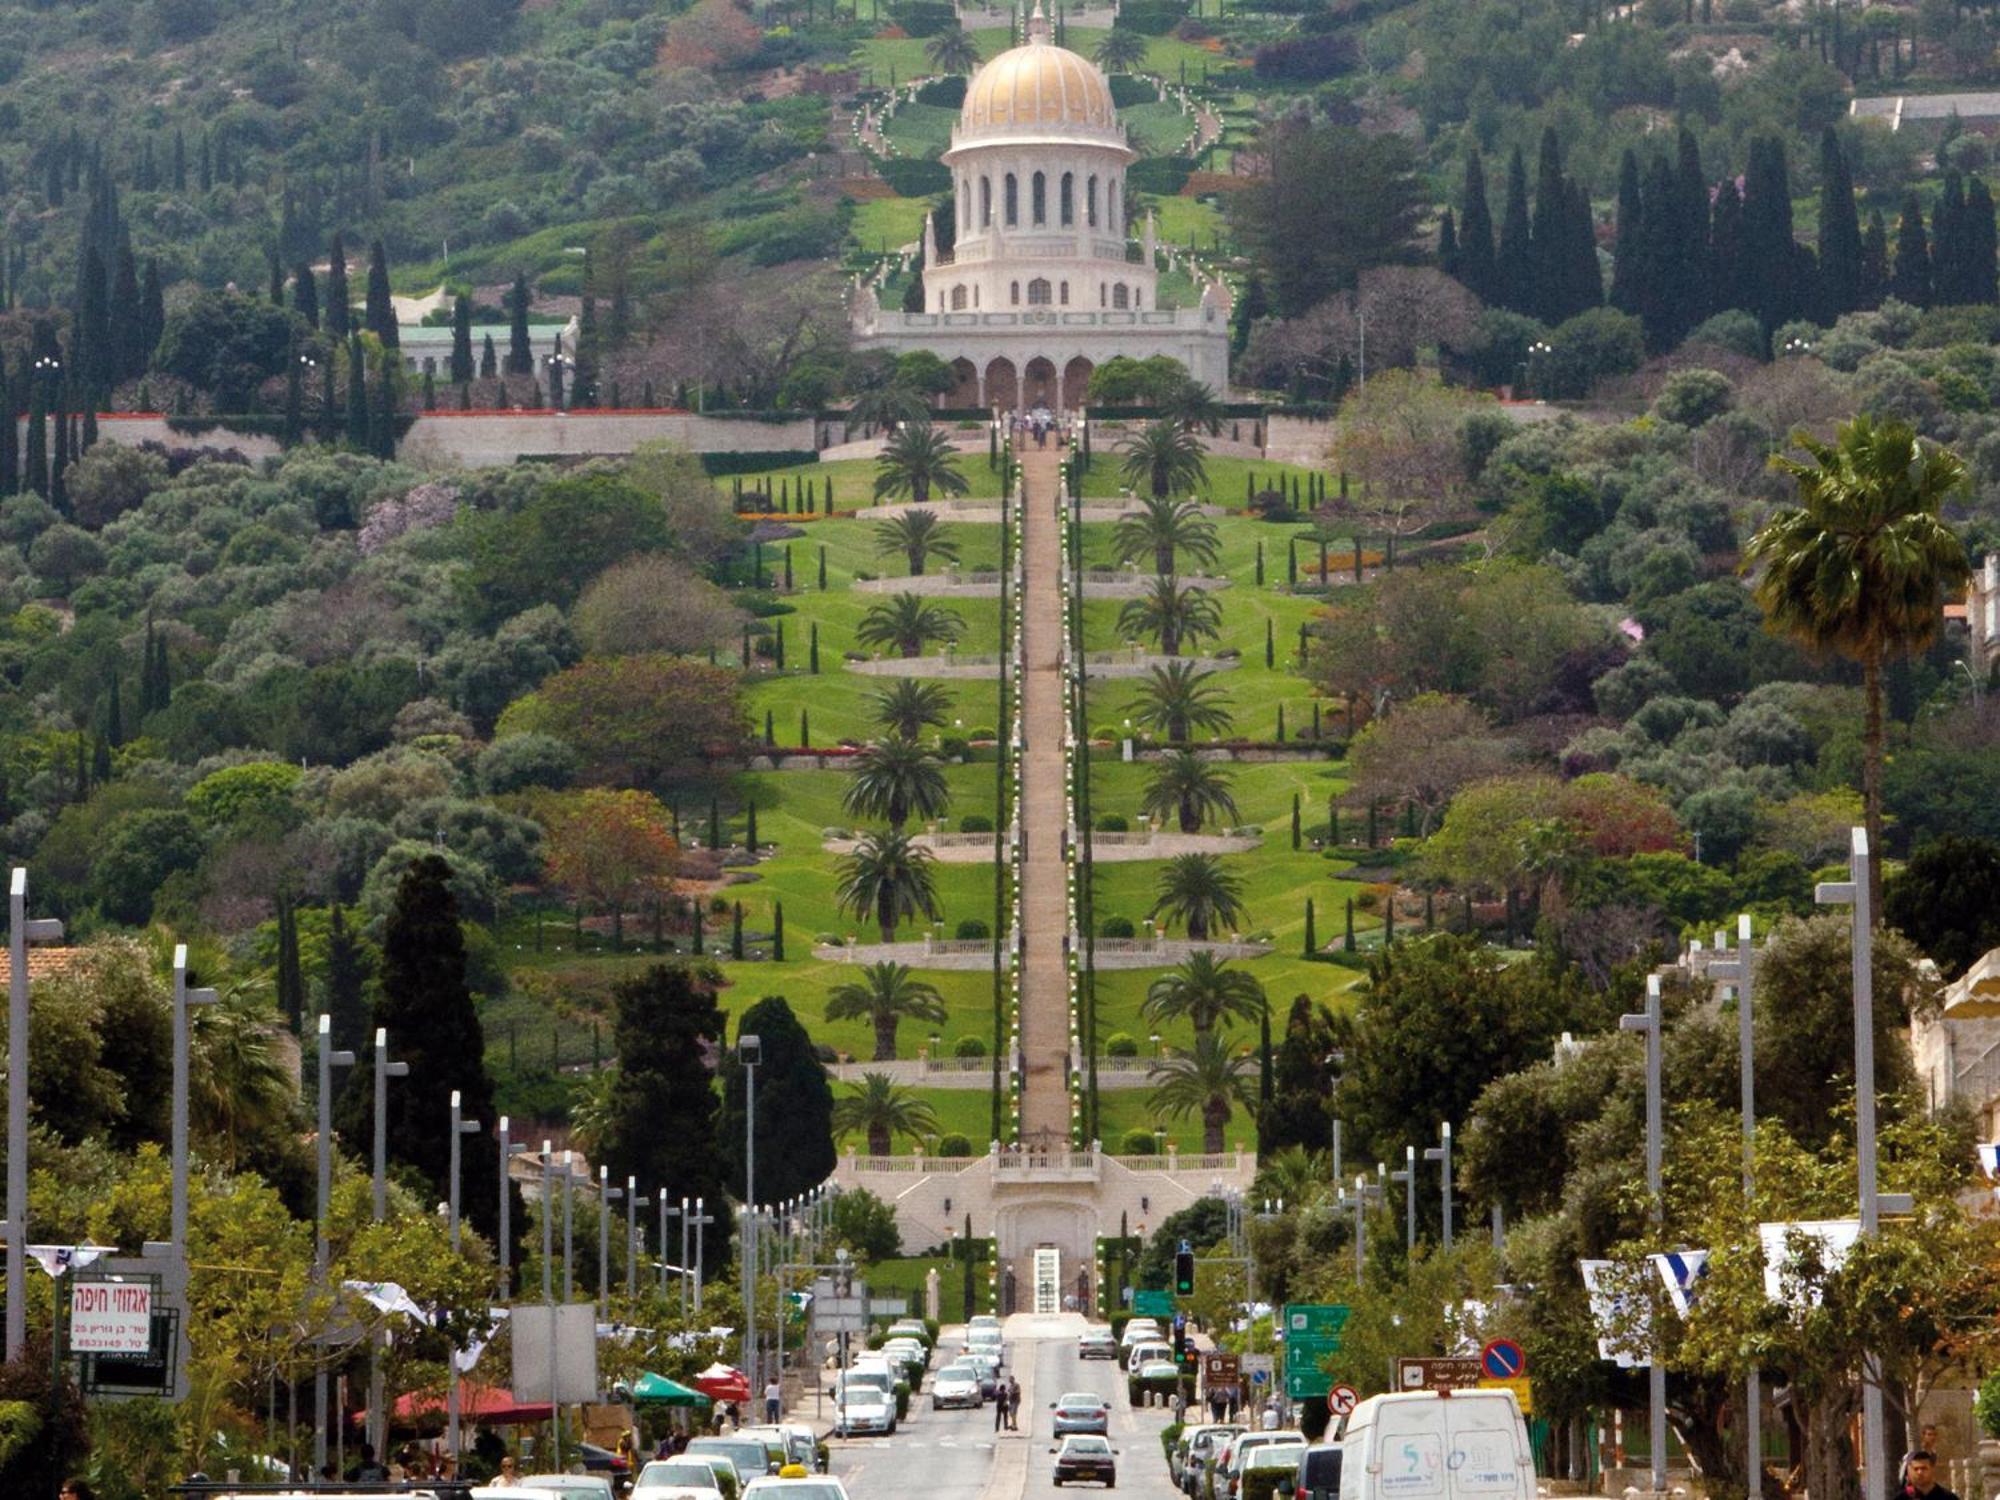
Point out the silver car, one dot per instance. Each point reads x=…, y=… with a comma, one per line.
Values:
x=956, y=1385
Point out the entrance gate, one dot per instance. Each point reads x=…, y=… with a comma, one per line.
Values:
x=1048, y=1280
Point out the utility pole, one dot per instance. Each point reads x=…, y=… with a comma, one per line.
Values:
x=20, y=933
x=549, y=1293
x=1441, y=1154
x=606, y=1195
x=749, y=1052
x=509, y=1149
x=183, y=998
x=1742, y=970
x=1408, y=1177
x=1647, y=1022
x=329, y=1059
x=633, y=1203
x=671, y=1210
x=698, y=1223
x=378, y=1426
x=460, y=1127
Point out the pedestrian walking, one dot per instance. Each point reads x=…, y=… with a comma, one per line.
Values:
x=1000, y=1399
x=1920, y=1479
x=1014, y=1406
x=774, y=1400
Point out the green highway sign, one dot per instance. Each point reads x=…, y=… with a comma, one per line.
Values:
x=1152, y=1304
x=1315, y=1320
x=1312, y=1332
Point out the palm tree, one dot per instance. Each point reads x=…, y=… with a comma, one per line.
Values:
x=1863, y=565
x=909, y=623
x=1165, y=527
x=887, y=878
x=1206, y=993
x=1172, y=614
x=1189, y=789
x=1179, y=698
x=1192, y=404
x=882, y=1111
x=895, y=780
x=917, y=459
x=1196, y=891
x=1206, y=1079
x=885, y=995
x=918, y=535
x=1165, y=459
x=886, y=404
x=953, y=51
x=907, y=706
x=239, y=1088
x=1122, y=50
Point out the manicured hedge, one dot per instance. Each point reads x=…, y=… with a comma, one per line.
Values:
x=1128, y=89
x=751, y=463
x=916, y=179
x=948, y=92
x=1164, y=175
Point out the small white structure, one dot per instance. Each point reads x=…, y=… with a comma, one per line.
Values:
x=1982, y=617
x=1041, y=285
x=1957, y=1051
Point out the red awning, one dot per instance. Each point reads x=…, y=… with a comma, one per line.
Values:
x=476, y=1403
x=723, y=1383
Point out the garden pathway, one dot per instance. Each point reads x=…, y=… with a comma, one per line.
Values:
x=1045, y=874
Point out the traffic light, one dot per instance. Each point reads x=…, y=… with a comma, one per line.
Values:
x=1180, y=1338
x=1184, y=1271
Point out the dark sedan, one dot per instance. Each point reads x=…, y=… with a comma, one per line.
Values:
x=1087, y=1458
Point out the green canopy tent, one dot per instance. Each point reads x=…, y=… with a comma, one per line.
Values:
x=656, y=1390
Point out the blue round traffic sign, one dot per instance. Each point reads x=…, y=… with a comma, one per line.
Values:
x=1502, y=1359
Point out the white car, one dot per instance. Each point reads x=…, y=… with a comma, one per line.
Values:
x=813, y=1487
x=678, y=1479
x=983, y=1320
x=955, y=1385
x=861, y=1410
x=570, y=1486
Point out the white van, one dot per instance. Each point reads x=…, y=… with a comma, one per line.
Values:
x=1437, y=1445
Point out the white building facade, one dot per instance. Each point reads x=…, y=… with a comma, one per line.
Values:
x=1042, y=285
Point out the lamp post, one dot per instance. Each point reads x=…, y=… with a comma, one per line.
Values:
x=1647, y=1022
x=1742, y=969
x=509, y=1149
x=633, y=1203
x=1539, y=350
x=1441, y=1154
x=183, y=998
x=378, y=1427
x=460, y=1126
x=749, y=1052
x=606, y=1196
x=698, y=1223
x=569, y=1225
x=329, y=1059
x=549, y=1291
x=1364, y=1192
x=1408, y=1177
x=20, y=933
x=671, y=1210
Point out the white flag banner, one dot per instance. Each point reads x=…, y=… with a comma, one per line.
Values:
x=1989, y=1158
x=59, y=1260
x=1833, y=1238
x=387, y=1297
x=463, y=1360
x=1624, y=1323
x=1681, y=1270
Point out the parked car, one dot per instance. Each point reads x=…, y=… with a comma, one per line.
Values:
x=1225, y=1481
x=803, y=1442
x=1081, y=1411
x=862, y=1409
x=982, y=1320
x=598, y=1460
x=1203, y=1444
x=1271, y=1471
x=1482, y=1431
x=957, y=1384
x=1086, y=1457
x=681, y=1479
x=1096, y=1343
x=988, y=1366
x=809, y=1487
x=1319, y=1473
x=570, y=1486
x=1148, y=1349
x=1137, y=1330
x=749, y=1455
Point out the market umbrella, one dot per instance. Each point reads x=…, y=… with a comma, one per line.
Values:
x=723, y=1383
x=656, y=1390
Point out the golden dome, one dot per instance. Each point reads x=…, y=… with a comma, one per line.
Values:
x=1035, y=88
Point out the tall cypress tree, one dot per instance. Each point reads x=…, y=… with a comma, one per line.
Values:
x=381, y=312
x=153, y=306
x=1653, y=268
x=1475, y=232
x=1771, y=260
x=127, y=320
x=1448, y=243
x=38, y=436
x=1725, y=247
x=1583, y=276
x=1839, y=231
x=383, y=410
x=520, y=353
x=305, y=294
x=59, y=455
x=461, y=341
x=10, y=440
x=180, y=161
x=1687, y=264
x=114, y=715
x=1911, y=280
x=90, y=343
x=489, y=362
x=1626, y=282
x=1548, y=297
x=347, y=974
x=1947, y=256
x=794, y=1105
x=338, y=315
x=357, y=396
x=1982, y=277
x=1514, y=269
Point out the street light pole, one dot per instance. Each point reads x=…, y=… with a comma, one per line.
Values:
x=549, y=1292
x=749, y=1052
x=460, y=1126
x=569, y=1225
x=20, y=933
x=606, y=1195
x=1441, y=1154
x=670, y=1210
x=509, y=1149
x=700, y=1221
x=1742, y=970
x=633, y=1203
x=378, y=1427
x=183, y=998
x=1408, y=1177
x=329, y=1059
x=1647, y=1022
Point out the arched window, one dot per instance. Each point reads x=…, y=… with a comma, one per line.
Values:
x=1039, y=292
x=1014, y=293
x=1119, y=296
x=1065, y=294
x=1090, y=201
x=1066, y=199
x=958, y=299
x=1038, y=195
x=986, y=203
x=1013, y=201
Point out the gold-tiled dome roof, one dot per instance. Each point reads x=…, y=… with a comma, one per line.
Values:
x=1036, y=88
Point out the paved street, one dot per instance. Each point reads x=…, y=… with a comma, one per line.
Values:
x=956, y=1455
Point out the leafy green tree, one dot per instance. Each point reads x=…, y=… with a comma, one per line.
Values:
x=916, y=460
x=664, y=1126
x=895, y=781
x=1172, y=613
x=886, y=995
x=794, y=1105
x=380, y=313
x=919, y=535
x=1205, y=992
x=881, y=1110
x=866, y=1226
x=1862, y=564
x=1208, y=1081
x=141, y=851
x=226, y=344
x=642, y=720
x=551, y=547
x=1300, y=1112
x=908, y=706
x=1177, y=699
x=1165, y=459
x=908, y=622
x=1200, y=893
x=1189, y=790
x=887, y=879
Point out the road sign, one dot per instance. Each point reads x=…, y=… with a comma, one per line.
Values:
x=888, y=1307
x=1153, y=1303
x=1502, y=1359
x=1311, y=1332
x=1454, y=1373
x=1520, y=1386
x=1315, y=1320
x=1221, y=1371
x=1341, y=1400
x=1257, y=1368
x=111, y=1317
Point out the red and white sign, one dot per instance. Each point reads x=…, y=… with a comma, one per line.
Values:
x=1341, y=1400
x=111, y=1317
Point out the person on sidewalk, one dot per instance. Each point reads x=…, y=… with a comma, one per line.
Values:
x=1920, y=1479
x=774, y=1400
x=1014, y=1407
x=1000, y=1408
